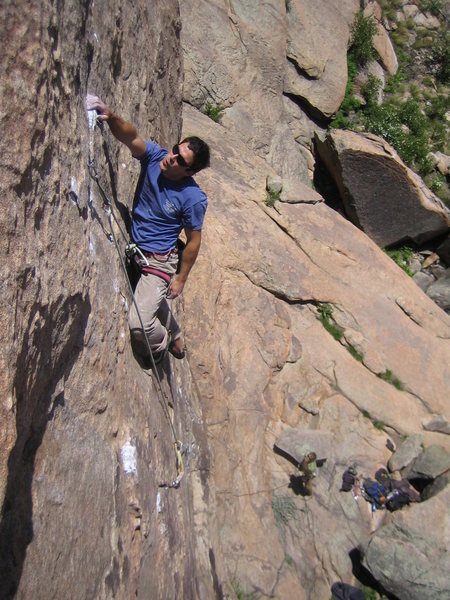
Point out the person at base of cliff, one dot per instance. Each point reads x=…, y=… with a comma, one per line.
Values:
x=308, y=467
x=167, y=200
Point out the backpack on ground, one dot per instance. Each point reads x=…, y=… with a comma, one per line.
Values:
x=375, y=493
x=397, y=499
x=344, y=591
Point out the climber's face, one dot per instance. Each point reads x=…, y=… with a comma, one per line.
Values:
x=176, y=164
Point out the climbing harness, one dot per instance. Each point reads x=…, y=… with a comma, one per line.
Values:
x=131, y=251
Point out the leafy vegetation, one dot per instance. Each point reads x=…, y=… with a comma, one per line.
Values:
x=410, y=113
x=369, y=593
x=354, y=352
x=402, y=257
x=432, y=6
x=392, y=379
x=213, y=111
x=271, y=197
x=377, y=424
x=363, y=32
x=440, y=56
x=240, y=594
x=289, y=560
x=325, y=311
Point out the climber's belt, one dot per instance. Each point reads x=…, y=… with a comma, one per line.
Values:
x=137, y=258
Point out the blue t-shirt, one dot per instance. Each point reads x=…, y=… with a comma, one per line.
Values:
x=162, y=208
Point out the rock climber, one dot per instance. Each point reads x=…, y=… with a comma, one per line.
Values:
x=167, y=200
x=308, y=467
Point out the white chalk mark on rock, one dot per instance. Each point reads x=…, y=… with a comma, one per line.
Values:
x=129, y=458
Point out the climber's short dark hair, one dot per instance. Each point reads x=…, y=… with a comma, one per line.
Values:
x=201, y=153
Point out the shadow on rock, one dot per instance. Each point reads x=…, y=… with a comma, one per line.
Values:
x=51, y=344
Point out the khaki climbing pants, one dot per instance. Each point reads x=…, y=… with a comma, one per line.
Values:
x=150, y=298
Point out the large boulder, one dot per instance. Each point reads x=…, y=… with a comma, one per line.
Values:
x=317, y=40
x=430, y=463
x=381, y=195
x=406, y=452
x=439, y=291
x=296, y=443
x=409, y=556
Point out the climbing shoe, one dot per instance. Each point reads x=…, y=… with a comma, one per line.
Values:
x=176, y=353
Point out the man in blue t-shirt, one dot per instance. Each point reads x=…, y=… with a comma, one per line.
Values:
x=167, y=200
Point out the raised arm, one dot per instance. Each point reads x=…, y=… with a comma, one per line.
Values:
x=122, y=130
x=190, y=253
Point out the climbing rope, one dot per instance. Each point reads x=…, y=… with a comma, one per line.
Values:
x=112, y=219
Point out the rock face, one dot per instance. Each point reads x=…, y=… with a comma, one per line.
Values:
x=380, y=194
x=80, y=517
x=87, y=447
x=265, y=271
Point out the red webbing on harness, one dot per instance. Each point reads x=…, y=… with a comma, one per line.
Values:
x=151, y=271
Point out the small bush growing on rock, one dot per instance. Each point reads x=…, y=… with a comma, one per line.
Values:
x=369, y=593
x=289, y=560
x=271, y=197
x=371, y=90
x=440, y=56
x=390, y=122
x=401, y=256
x=431, y=6
x=325, y=311
x=363, y=32
x=354, y=352
x=392, y=379
x=214, y=111
x=350, y=103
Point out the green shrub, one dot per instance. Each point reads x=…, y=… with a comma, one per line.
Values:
x=213, y=111
x=392, y=379
x=354, y=352
x=369, y=593
x=388, y=121
x=395, y=81
x=289, y=560
x=325, y=311
x=431, y=6
x=437, y=183
x=371, y=90
x=363, y=31
x=350, y=103
x=401, y=256
x=440, y=56
x=271, y=197
x=379, y=425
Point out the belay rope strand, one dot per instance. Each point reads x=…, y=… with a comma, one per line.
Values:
x=107, y=206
